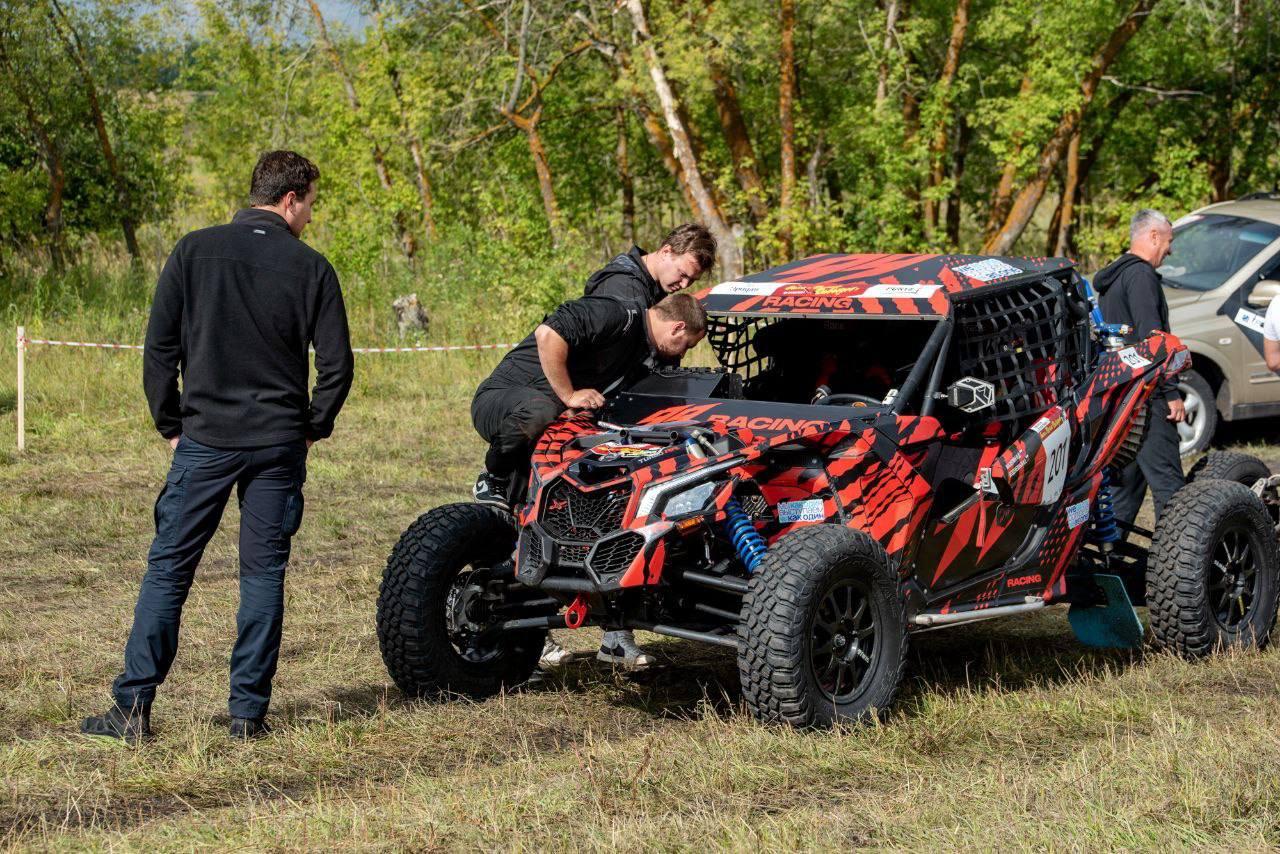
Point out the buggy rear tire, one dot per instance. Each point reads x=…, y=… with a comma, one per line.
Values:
x=1212, y=575
x=431, y=602
x=822, y=612
x=1229, y=465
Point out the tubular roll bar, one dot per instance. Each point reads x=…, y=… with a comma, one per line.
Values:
x=931, y=360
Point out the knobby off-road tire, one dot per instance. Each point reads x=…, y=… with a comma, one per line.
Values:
x=822, y=586
x=1212, y=575
x=419, y=645
x=1229, y=465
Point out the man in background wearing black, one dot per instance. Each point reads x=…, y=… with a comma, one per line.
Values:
x=646, y=277
x=236, y=309
x=1129, y=292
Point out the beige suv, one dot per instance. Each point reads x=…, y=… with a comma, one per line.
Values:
x=1219, y=279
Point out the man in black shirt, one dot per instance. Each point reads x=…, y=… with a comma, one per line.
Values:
x=236, y=309
x=645, y=278
x=1129, y=292
x=584, y=350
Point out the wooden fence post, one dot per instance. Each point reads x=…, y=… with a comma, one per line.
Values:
x=22, y=391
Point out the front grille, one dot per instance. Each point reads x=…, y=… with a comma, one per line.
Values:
x=574, y=555
x=583, y=517
x=531, y=556
x=616, y=553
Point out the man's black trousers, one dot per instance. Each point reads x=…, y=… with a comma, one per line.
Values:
x=511, y=420
x=268, y=483
x=1158, y=464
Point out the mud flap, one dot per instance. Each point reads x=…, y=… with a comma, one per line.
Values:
x=1112, y=622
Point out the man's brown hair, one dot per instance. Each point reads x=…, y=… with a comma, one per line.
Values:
x=683, y=307
x=694, y=238
x=277, y=173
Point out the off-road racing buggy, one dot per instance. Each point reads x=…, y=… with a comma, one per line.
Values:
x=891, y=444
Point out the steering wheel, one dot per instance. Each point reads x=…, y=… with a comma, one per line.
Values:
x=849, y=400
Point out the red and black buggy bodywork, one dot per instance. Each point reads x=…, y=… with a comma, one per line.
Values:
x=977, y=512
x=889, y=444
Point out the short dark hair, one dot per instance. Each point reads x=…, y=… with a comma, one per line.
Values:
x=685, y=308
x=692, y=237
x=277, y=173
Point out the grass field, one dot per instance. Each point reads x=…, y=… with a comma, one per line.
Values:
x=1008, y=735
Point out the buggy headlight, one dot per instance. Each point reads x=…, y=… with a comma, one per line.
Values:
x=650, y=497
x=691, y=500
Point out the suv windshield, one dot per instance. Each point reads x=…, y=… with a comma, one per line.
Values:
x=1208, y=249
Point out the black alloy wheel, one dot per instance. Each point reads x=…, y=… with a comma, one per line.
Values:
x=1233, y=577
x=842, y=641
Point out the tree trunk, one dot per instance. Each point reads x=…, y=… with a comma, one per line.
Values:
x=891, y=11
x=741, y=151
x=625, y=179
x=529, y=126
x=729, y=249
x=1003, y=196
x=53, y=166
x=963, y=135
x=938, y=146
x=1069, y=188
x=75, y=51
x=786, y=121
x=1025, y=204
x=407, y=241
x=412, y=139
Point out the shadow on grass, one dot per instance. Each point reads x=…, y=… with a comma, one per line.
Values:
x=8, y=401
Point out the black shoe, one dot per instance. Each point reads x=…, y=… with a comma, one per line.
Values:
x=244, y=729
x=131, y=726
x=492, y=490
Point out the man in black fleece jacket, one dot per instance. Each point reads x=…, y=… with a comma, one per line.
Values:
x=1129, y=292
x=644, y=278
x=236, y=309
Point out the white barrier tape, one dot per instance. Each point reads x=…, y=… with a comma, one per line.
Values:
x=23, y=342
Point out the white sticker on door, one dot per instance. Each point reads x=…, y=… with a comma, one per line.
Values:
x=745, y=289
x=1056, y=445
x=1249, y=320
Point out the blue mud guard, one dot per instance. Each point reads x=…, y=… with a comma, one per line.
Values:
x=1113, y=624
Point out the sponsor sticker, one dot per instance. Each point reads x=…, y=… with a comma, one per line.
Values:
x=1249, y=320
x=801, y=511
x=902, y=291
x=1078, y=513
x=745, y=289
x=1131, y=358
x=988, y=270
x=617, y=451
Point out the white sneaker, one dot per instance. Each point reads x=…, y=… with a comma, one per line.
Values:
x=619, y=648
x=553, y=655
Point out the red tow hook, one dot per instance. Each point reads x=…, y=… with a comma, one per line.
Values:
x=577, y=613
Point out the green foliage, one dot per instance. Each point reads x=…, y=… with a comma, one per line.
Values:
x=193, y=95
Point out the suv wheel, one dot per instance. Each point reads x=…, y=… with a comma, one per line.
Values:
x=1196, y=432
x=823, y=634
x=1212, y=576
x=437, y=614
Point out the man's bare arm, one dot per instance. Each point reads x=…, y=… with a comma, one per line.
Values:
x=553, y=354
x=1271, y=352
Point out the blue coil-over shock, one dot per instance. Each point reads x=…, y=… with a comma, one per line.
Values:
x=746, y=540
x=1105, y=529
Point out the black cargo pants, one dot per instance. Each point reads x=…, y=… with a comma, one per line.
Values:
x=511, y=420
x=1158, y=464
x=269, y=483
